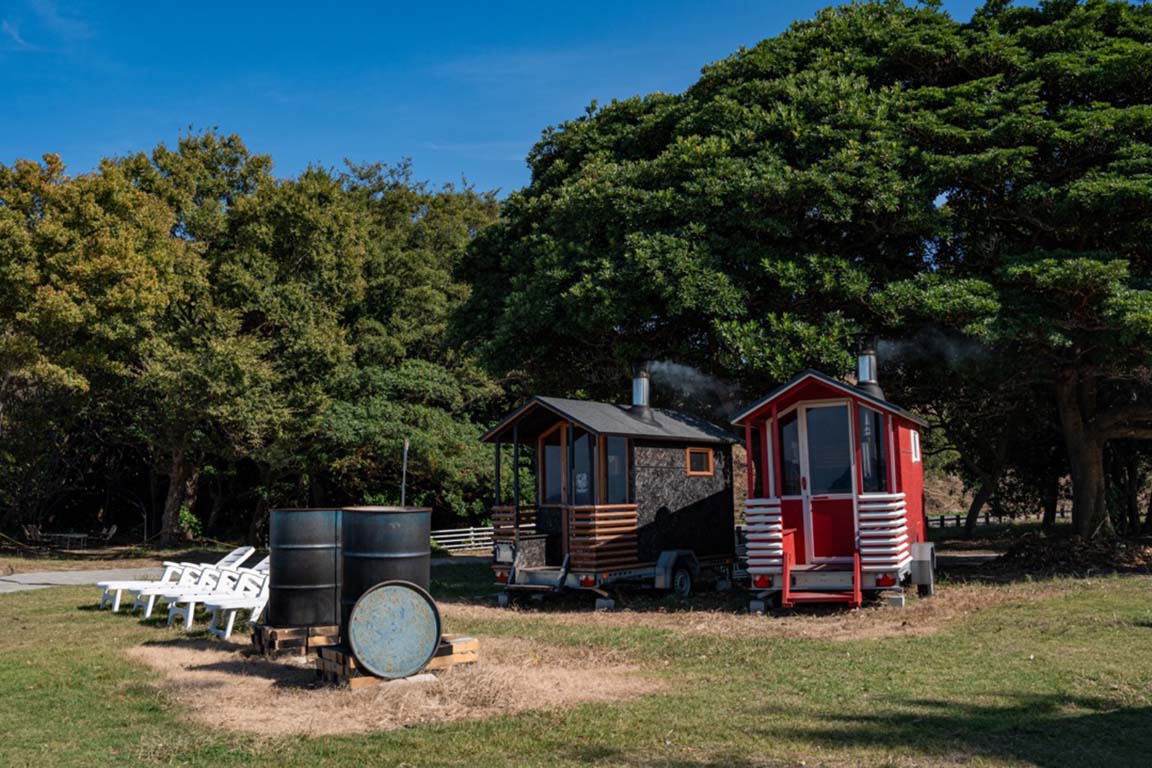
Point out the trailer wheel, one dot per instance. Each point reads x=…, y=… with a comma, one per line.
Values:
x=682, y=581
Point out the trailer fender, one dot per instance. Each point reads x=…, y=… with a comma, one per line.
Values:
x=670, y=560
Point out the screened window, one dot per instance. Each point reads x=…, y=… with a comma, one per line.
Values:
x=700, y=462
x=790, y=455
x=584, y=459
x=829, y=450
x=873, y=451
x=552, y=468
x=616, y=470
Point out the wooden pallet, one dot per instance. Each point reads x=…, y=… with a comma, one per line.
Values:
x=293, y=641
x=336, y=664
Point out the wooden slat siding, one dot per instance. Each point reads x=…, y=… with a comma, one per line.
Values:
x=504, y=521
x=602, y=536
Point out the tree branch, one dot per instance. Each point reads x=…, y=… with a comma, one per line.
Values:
x=1133, y=431
x=1121, y=418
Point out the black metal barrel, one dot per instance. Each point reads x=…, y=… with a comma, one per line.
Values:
x=304, y=567
x=384, y=544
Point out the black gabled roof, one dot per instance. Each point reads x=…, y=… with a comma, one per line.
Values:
x=612, y=419
x=849, y=388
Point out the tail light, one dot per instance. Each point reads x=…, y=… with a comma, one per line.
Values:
x=762, y=581
x=502, y=577
x=886, y=580
x=587, y=581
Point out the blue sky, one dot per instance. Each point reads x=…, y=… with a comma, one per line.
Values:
x=464, y=89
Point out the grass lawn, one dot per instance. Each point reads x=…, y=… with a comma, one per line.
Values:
x=1047, y=673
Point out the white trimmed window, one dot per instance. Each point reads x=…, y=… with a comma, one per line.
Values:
x=915, y=447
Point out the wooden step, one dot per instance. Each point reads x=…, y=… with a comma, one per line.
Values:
x=338, y=666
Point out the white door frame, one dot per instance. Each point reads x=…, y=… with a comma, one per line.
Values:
x=806, y=476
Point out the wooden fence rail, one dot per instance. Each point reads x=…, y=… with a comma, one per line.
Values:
x=987, y=518
x=457, y=539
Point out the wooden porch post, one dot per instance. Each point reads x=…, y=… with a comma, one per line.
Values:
x=566, y=512
x=571, y=464
x=595, y=487
x=497, y=499
x=516, y=481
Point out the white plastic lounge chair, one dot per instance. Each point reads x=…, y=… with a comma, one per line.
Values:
x=213, y=583
x=205, y=583
x=225, y=611
x=174, y=573
x=246, y=585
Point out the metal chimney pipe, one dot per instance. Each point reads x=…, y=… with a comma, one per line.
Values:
x=641, y=384
x=866, y=368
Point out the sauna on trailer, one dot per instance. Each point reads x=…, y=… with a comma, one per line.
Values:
x=835, y=503
x=622, y=493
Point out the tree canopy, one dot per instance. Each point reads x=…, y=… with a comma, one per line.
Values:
x=184, y=322
x=274, y=340
x=879, y=168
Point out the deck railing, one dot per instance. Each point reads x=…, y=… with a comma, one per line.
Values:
x=504, y=521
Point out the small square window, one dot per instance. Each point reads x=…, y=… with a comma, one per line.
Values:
x=700, y=462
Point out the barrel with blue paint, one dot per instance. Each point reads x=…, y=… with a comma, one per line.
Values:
x=304, y=567
x=383, y=544
x=394, y=629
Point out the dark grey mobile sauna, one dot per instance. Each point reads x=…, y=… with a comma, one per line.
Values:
x=624, y=493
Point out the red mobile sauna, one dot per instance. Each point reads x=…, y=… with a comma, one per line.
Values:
x=835, y=493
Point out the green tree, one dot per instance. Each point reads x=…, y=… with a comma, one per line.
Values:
x=205, y=379
x=1039, y=137
x=87, y=270
x=879, y=167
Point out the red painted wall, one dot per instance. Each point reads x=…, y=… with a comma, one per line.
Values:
x=911, y=480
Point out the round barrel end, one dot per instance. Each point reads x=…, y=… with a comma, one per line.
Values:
x=394, y=629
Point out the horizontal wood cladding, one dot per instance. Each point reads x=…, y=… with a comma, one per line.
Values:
x=676, y=510
x=503, y=521
x=601, y=536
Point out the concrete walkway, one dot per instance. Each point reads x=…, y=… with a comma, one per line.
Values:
x=19, y=582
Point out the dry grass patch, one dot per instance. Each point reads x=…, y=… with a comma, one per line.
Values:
x=223, y=686
x=952, y=603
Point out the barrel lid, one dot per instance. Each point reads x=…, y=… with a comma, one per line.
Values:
x=305, y=509
x=387, y=510
x=394, y=629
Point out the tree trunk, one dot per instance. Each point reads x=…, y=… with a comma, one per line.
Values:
x=1148, y=516
x=316, y=491
x=1132, y=482
x=1076, y=401
x=260, y=513
x=183, y=477
x=217, y=505
x=1051, y=501
x=978, y=502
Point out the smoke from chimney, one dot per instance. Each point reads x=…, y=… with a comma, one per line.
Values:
x=696, y=390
